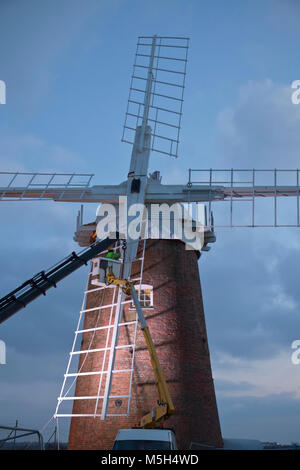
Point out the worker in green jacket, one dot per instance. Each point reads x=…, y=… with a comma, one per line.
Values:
x=113, y=254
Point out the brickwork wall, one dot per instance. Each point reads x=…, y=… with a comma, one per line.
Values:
x=178, y=329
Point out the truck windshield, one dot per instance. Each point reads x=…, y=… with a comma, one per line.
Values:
x=141, y=445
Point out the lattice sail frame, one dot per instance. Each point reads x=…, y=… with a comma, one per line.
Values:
x=270, y=197
x=167, y=59
x=96, y=404
x=21, y=186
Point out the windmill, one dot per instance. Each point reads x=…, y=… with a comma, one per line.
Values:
x=113, y=379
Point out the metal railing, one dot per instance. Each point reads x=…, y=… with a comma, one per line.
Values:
x=19, y=186
x=13, y=435
x=166, y=59
x=252, y=186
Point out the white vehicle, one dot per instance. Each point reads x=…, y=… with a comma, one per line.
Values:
x=145, y=439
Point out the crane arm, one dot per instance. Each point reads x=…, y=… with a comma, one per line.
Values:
x=41, y=282
x=165, y=404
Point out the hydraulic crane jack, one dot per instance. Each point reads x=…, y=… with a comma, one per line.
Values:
x=165, y=405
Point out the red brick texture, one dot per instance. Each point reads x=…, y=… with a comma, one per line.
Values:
x=177, y=325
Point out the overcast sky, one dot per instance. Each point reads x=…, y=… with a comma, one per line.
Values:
x=67, y=67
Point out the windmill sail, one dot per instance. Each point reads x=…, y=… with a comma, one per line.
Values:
x=168, y=72
x=20, y=186
x=253, y=197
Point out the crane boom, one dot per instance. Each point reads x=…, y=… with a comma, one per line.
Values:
x=44, y=280
x=165, y=405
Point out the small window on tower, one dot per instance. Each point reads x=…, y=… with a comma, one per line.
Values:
x=145, y=296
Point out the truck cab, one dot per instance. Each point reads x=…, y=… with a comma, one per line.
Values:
x=145, y=439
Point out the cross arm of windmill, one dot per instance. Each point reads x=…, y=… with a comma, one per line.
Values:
x=153, y=123
x=208, y=188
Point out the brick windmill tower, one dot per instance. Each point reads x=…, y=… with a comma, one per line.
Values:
x=109, y=377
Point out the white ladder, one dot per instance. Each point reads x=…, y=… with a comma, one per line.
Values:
x=101, y=400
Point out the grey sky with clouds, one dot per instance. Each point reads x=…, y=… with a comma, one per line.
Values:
x=67, y=66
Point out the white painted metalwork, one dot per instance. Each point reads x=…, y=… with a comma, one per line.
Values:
x=157, y=85
x=203, y=186
x=19, y=186
x=106, y=375
x=270, y=197
x=138, y=172
x=130, y=257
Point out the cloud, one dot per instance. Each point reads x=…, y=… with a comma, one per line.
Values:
x=261, y=418
x=237, y=377
x=255, y=313
x=36, y=235
x=32, y=404
x=284, y=16
x=45, y=31
x=254, y=317
x=261, y=129
x=229, y=386
x=28, y=152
